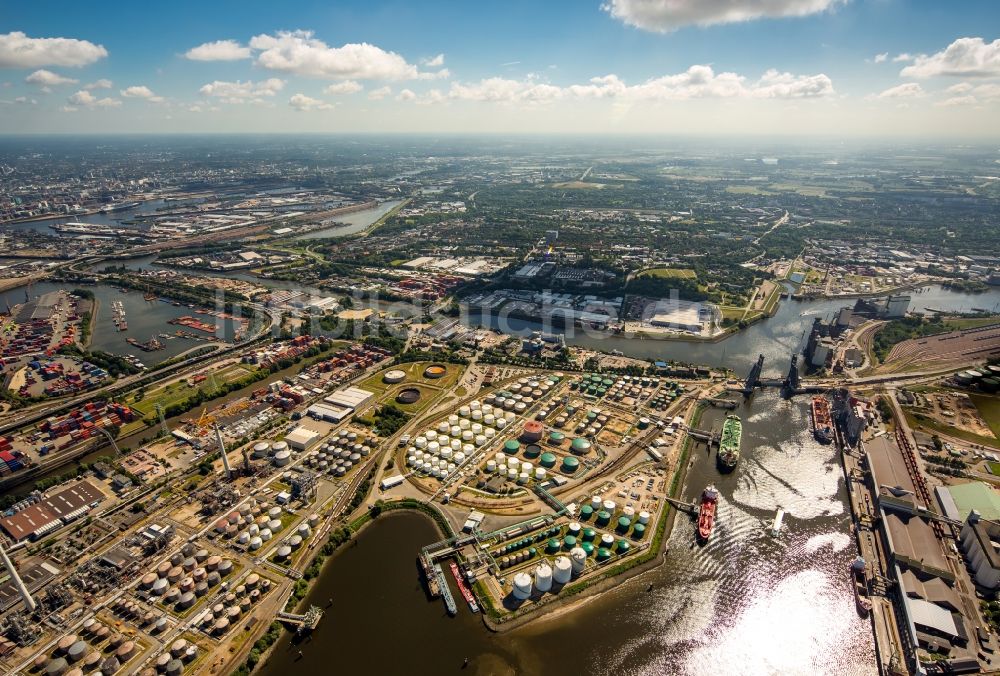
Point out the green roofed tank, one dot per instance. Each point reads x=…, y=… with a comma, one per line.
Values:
x=624, y=523
x=586, y=512
x=547, y=460
x=581, y=446
x=603, y=554
x=589, y=534
x=570, y=465
x=638, y=531
x=511, y=446
x=553, y=545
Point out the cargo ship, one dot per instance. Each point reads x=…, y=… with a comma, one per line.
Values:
x=463, y=588
x=861, y=599
x=822, y=422
x=706, y=512
x=729, y=445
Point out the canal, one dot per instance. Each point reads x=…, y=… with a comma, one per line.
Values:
x=746, y=603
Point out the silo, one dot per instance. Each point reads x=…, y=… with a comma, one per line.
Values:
x=543, y=577
x=586, y=512
x=562, y=570
x=76, y=651
x=574, y=529
x=163, y=569
x=190, y=653
x=578, y=559
x=178, y=647
x=225, y=568
x=547, y=460
x=511, y=447
x=282, y=458
x=56, y=667
x=580, y=446
x=147, y=581
x=522, y=586
x=186, y=585
x=623, y=547
x=254, y=596
x=553, y=545
x=274, y=525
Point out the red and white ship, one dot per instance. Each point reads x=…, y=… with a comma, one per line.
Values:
x=463, y=588
x=706, y=512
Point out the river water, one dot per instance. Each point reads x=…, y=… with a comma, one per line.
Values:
x=777, y=337
x=352, y=223
x=746, y=603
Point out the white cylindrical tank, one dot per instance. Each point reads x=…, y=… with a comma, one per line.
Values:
x=522, y=586
x=595, y=502
x=467, y=436
x=578, y=558
x=456, y=444
x=540, y=473
x=491, y=466
x=523, y=477
x=644, y=517
x=443, y=427
x=434, y=447
x=489, y=419
x=562, y=570
x=490, y=432
x=453, y=419
x=628, y=511
x=464, y=425
x=431, y=435
x=464, y=411
x=609, y=506
x=420, y=442
x=512, y=474
x=479, y=439
x=543, y=577
x=459, y=458
x=468, y=449
x=282, y=458
x=501, y=423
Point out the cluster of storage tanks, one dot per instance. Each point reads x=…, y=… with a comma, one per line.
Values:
x=986, y=377
x=73, y=655
x=278, y=451
x=293, y=542
x=186, y=576
x=441, y=450
x=341, y=453
x=603, y=511
x=221, y=617
x=172, y=661
x=513, y=469
x=548, y=573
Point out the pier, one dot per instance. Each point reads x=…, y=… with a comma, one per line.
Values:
x=305, y=622
x=449, y=600
x=682, y=506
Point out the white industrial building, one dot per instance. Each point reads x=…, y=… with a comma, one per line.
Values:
x=980, y=542
x=349, y=398
x=302, y=438
x=334, y=414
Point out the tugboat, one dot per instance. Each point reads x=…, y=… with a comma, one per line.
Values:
x=706, y=512
x=822, y=422
x=729, y=445
x=859, y=579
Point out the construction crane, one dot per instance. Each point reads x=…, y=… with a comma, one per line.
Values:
x=205, y=420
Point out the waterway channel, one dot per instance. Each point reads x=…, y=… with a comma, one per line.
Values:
x=746, y=603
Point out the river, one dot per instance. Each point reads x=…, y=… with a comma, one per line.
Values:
x=776, y=337
x=352, y=223
x=746, y=603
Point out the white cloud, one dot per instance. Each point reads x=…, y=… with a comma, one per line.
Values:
x=907, y=90
x=406, y=95
x=881, y=58
x=300, y=53
x=775, y=85
x=345, y=87
x=141, y=92
x=103, y=83
x=697, y=82
x=663, y=16
x=965, y=57
x=959, y=101
x=17, y=50
x=238, y=92
x=380, y=93
x=24, y=100
x=47, y=78
x=220, y=50
x=434, y=61
x=84, y=99
x=301, y=102
x=902, y=58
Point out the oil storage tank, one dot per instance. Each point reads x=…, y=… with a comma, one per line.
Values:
x=562, y=570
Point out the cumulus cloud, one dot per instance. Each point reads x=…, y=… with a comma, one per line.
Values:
x=965, y=93
x=380, y=93
x=907, y=90
x=17, y=50
x=240, y=92
x=345, y=87
x=965, y=57
x=46, y=78
x=301, y=102
x=300, y=53
x=220, y=50
x=663, y=16
x=434, y=61
x=881, y=58
x=25, y=101
x=406, y=95
x=141, y=92
x=697, y=82
x=84, y=99
x=902, y=58
x=103, y=83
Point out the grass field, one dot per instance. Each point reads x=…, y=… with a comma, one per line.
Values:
x=669, y=273
x=989, y=409
x=971, y=322
x=994, y=468
x=933, y=426
x=179, y=391
x=747, y=190
x=579, y=185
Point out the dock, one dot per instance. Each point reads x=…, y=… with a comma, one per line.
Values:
x=305, y=622
x=449, y=600
x=688, y=507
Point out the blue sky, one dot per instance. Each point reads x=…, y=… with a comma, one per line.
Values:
x=848, y=67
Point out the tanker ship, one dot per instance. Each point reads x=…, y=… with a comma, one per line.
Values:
x=729, y=445
x=706, y=512
x=822, y=422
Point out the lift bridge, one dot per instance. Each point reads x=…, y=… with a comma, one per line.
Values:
x=790, y=385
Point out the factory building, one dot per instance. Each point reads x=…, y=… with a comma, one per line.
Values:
x=350, y=398
x=52, y=511
x=980, y=541
x=302, y=438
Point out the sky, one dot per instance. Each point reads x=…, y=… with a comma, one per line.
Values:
x=831, y=68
